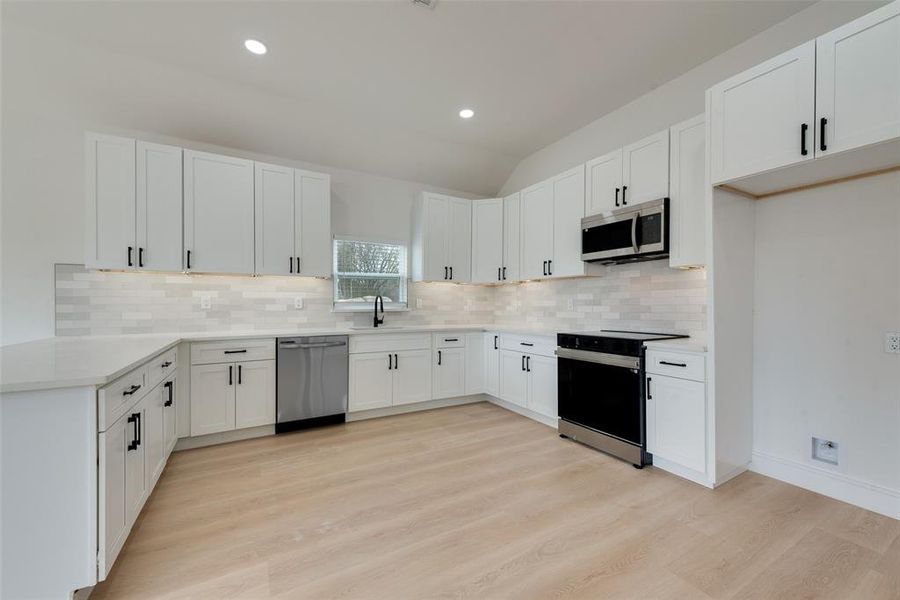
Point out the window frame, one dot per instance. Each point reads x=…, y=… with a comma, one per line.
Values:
x=345, y=306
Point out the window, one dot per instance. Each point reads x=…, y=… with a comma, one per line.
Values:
x=365, y=269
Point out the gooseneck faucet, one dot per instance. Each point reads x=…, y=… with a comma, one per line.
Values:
x=378, y=321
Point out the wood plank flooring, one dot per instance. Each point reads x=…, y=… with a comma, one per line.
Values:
x=477, y=502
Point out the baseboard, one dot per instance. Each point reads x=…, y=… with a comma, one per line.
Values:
x=414, y=407
x=83, y=593
x=548, y=421
x=224, y=437
x=877, y=498
x=728, y=476
x=683, y=472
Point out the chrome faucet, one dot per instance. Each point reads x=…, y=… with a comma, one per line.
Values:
x=378, y=321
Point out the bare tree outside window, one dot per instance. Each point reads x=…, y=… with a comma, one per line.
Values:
x=363, y=270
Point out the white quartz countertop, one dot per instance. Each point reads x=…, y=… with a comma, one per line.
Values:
x=691, y=344
x=60, y=362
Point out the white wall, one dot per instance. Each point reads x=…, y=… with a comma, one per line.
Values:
x=680, y=98
x=50, y=95
x=827, y=288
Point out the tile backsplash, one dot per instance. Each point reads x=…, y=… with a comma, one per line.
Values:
x=646, y=297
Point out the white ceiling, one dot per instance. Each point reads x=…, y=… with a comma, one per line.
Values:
x=533, y=71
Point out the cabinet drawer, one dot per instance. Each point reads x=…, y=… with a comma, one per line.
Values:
x=115, y=399
x=529, y=344
x=449, y=340
x=204, y=353
x=677, y=364
x=389, y=342
x=160, y=367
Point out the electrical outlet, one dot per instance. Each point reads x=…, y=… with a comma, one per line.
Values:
x=298, y=302
x=419, y=303
x=892, y=342
x=825, y=450
x=205, y=302
x=571, y=304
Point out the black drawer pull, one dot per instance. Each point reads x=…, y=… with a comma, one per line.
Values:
x=671, y=364
x=526, y=344
x=131, y=390
x=451, y=339
x=244, y=351
x=166, y=364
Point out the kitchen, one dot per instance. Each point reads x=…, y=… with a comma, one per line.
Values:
x=682, y=259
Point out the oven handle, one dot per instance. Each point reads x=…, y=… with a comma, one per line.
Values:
x=601, y=358
x=634, y=242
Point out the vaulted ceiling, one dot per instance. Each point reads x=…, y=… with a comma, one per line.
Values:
x=376, y=86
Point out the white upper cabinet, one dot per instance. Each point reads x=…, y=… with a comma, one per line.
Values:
x=537, y=229
x=603, y=191
x=687, y=204
x=762, y=119
x=274, y=205
x=110, y=192
x=511, y=238
x=159, y=207
x=858, y=82
x=645, y=169
x=312, y=245
x=568, y=210
x=442, y=238
x=487, y=241
x=218, y=213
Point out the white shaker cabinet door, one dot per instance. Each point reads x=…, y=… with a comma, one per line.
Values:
x=568, y=210
x=537, y=229
x=762, y=119
x=412, y=376
x=313, y=243
x=274, y=208
x=858, y=82
x=449, y=374
x=111, y=498
x=218, y=213
x=687, y=204
x=603, y=184
x=212, y=398
x=487, y=241
x=645, y=169
x=542, y=392
x=492, y=364
x=679, y=420
x=371, y=381
x=513, y=378
x=254, y=401
x=159, y=207
x=475, y=364
x=136, y=488
x=170, y=432
x=155, y=432
x=110, y=212
x=512, y=238
x=436, y=263
x=459, y=243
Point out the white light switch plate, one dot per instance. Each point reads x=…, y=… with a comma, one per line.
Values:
x=298, y=302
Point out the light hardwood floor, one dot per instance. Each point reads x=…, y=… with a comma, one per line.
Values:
x=477, y=502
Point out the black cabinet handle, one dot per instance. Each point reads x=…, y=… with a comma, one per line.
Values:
x=523, y=362
x=445, y=274
x=549, y=267
x=188, y=259
x=617, y=196
x=504, y=273
x=291, y=263
x=140, y=438
x=803, y=128
x=526, y=344
x=528, y=364
x=451, y=339
x=240, y=369
x=166, y=364
x=396, y=362
x=133, y=444
x=624, y=187
x=495, y=342
x=230, y=371
x=451, y=273
x=141, y=257
x=439, y=358
x=130, y=251
x=244, y=351
x=545, y=267
x=131, y=390
x=822, y=122
x=298, y=265
x=168, y=402
x=671, y=364
x=649, y=395
x=499, y=270
x=389, y=363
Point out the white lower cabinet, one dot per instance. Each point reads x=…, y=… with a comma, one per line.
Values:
x=371, y=380
x=528, y=379
x=170, y=424
x=231, y=395
x=154, y=433
x=542, y=390
x=513, y=378
x=411, y=376
x=492, y=364
x=475, y=366
x=676, y=413
x=389, y=370
x=449, y=378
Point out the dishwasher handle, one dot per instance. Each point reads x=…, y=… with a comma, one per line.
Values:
x=290, y=345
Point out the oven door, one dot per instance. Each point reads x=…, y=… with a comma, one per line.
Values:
x=602, y=392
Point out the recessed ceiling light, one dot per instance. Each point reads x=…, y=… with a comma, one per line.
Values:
x=467, y=113
x=255, y=46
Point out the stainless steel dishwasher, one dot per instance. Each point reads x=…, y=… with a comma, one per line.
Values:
x=312, y=381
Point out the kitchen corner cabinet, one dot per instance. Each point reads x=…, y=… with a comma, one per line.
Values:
x=636, y=173
x=687, y=205
x=529, y=381
x=487, y=241
x=551, y=227
x=293, y=221
x=442, y=238
x=218, y=213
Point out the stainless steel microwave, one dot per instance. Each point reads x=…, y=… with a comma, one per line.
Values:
x=632, y=234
